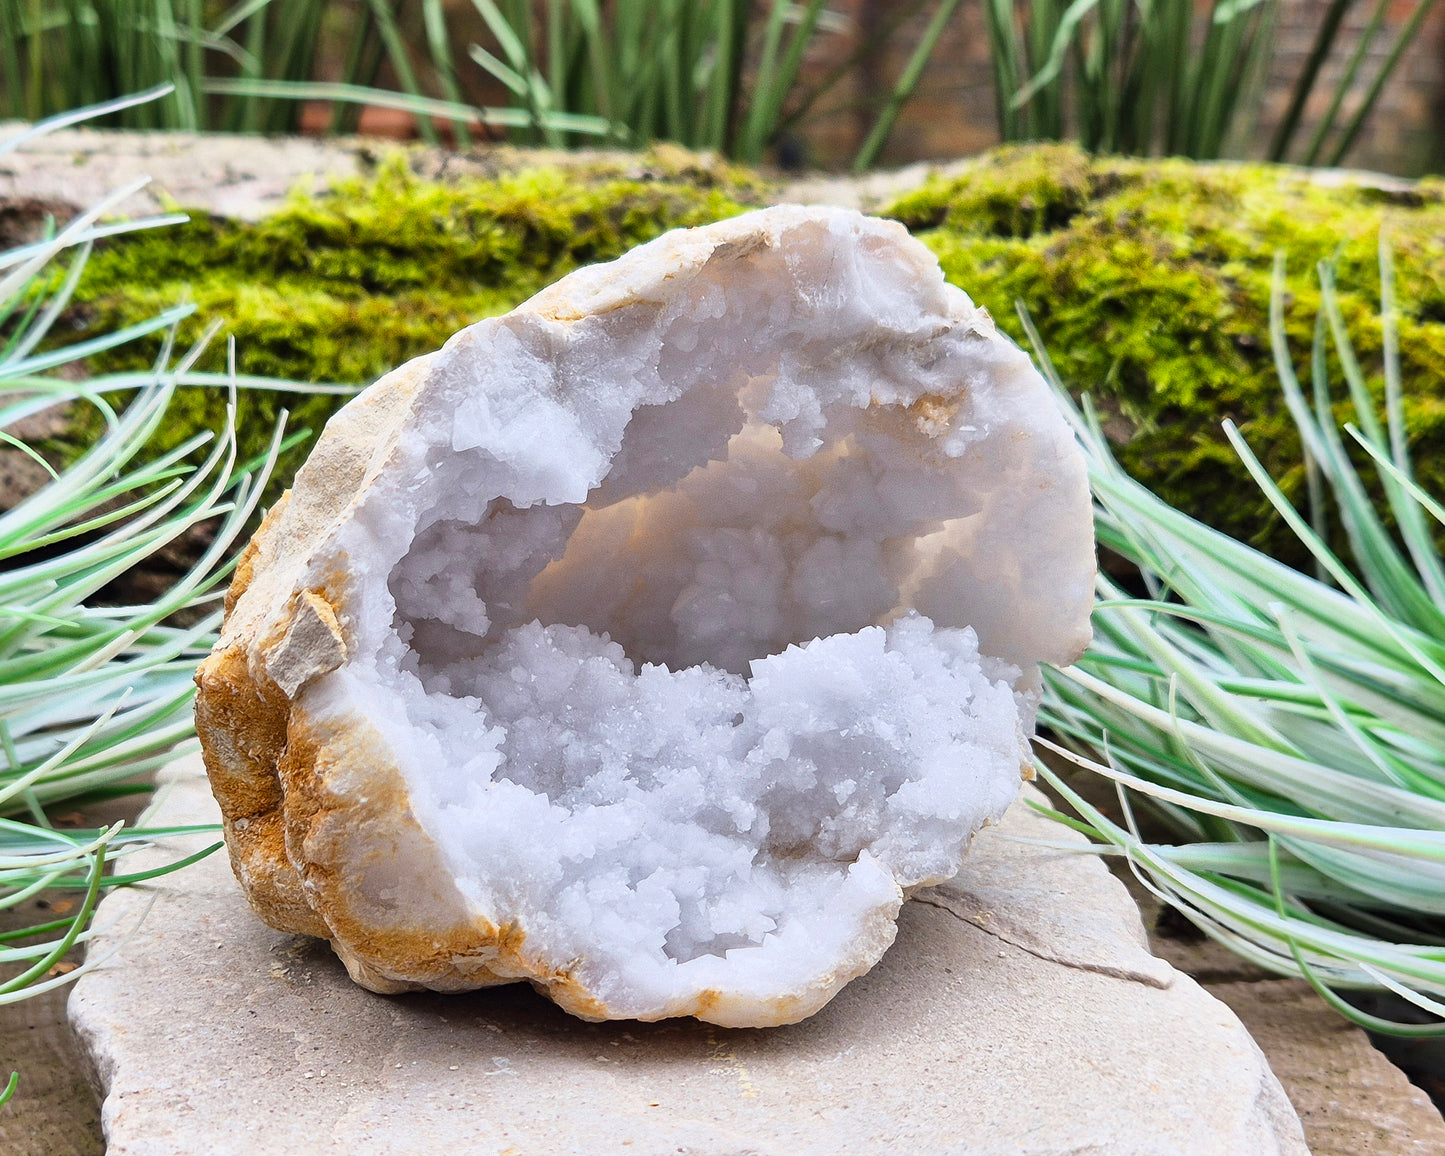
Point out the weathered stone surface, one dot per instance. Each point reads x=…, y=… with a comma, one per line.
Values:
x=1350, y=1098
x=245, y=178
x=238, y=177
x=212, y=1033
x=1350, y=1103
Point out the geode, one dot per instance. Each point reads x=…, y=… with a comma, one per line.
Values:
x=653, y=642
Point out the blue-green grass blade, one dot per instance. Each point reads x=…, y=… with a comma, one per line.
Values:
x=63, y=946
x=89, y=112
x=1324, y=791
x=447, y=110
x=1419, y=646
x=94, y=232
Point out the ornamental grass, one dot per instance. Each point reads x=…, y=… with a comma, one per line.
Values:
x=95, y=696
x=1287, y=728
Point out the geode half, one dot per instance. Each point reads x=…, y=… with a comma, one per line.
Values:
x=652, y=642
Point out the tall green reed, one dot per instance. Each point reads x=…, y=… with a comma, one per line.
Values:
x=1127, y=76
x=241, y=67
x=708, y=74
x=725, y=75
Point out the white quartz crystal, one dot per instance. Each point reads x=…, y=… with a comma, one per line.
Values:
x=653, y=641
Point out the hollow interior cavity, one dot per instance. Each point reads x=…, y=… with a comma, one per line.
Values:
x=707, y=544
x=633, y=745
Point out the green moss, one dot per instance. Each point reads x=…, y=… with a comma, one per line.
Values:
x=343, y=287
x=1150, y=282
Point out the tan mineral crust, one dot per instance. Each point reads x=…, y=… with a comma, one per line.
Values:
x=653, y=642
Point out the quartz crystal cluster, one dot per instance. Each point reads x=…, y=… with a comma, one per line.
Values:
x=653, y=642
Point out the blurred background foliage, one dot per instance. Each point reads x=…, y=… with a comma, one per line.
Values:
x=723, y=75
x=790, y=81
x=1178, y=78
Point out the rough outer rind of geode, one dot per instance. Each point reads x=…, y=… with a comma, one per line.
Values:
x=652, y=642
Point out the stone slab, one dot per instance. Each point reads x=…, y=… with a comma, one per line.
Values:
x=247, y=177
x=1019, y=1012
x=1351, y=1100
x=232, y=176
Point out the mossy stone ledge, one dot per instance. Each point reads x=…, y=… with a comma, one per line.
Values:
x=1149, y=282
x=342, y=287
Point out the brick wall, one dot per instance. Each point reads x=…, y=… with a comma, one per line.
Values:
x=953, y=113
x=1404, y=134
